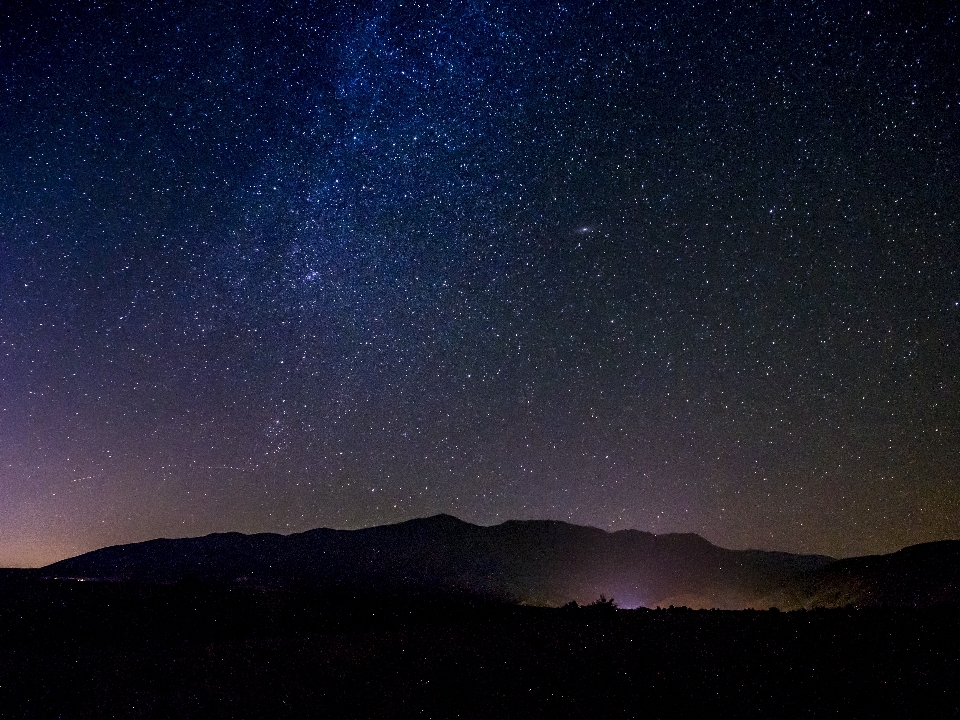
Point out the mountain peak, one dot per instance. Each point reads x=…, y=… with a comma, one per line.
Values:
x=446, y=518
x=438, y=520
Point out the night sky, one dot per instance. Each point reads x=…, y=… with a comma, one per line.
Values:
x=675, y=266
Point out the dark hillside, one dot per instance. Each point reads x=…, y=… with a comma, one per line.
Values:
x=534, y=562
x=537, y=562
x=917, y=576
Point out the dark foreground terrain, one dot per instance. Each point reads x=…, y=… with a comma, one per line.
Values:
x=99, y=650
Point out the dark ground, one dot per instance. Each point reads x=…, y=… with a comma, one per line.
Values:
x=99, y=650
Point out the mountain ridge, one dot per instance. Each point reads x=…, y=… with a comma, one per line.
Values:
x=540, y=562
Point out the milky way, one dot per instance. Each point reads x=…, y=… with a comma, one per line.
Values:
x=678, y=267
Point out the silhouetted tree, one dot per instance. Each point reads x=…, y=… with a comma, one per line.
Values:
x=603, y=604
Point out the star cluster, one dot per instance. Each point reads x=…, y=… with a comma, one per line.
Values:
x=675, y=266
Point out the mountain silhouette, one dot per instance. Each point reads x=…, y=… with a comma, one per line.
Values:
x=541, y=562
x=917, y=576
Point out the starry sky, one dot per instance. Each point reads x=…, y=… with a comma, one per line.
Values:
x=673, y=266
